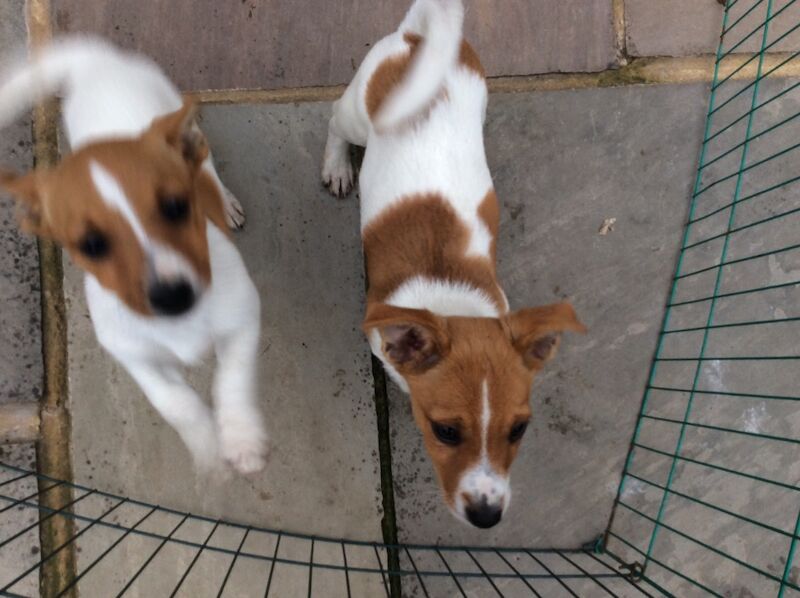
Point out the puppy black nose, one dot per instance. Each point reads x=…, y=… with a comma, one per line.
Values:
x=484, y=515
x=171, y=298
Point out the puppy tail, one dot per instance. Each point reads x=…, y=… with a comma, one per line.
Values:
x=439, y=23
x=48, y=72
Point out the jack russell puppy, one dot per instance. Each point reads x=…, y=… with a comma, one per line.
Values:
x=139, y=207
x=436, y=315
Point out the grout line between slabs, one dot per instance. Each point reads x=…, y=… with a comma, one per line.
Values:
x=636, y=71
x=620, y=34
x=53, y=447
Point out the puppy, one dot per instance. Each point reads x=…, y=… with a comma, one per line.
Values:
x=436, y=315
x=140, y=208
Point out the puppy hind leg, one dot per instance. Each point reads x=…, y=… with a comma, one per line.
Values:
x=234, y=212
x=346, y=127
x=337, y=169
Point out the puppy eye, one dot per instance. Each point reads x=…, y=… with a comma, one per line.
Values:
x=174, y=208
x=94, y=245
x=517, y=431
x=446, y=434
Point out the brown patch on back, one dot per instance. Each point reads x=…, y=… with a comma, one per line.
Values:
x=423, y=236
x=389, y=74
x=468, y=57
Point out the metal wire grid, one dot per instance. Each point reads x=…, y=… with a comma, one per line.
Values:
x=708, y=502
x=124, y=544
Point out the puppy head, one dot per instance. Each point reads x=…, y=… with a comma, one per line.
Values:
x=470, y=381
x=131, y=212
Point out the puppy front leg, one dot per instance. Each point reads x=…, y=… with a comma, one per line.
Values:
x=180, y=406
x=243, y=441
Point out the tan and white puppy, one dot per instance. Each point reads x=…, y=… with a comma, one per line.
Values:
x=140, y=208
x=436, y=315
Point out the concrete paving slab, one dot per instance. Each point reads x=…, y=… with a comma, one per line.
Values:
x=687, y=27
x=20, y=348
x=21, y=553
x=562, y=163
x=676, y=28
x=753, y=429
x=286, y=43
x=303, y=252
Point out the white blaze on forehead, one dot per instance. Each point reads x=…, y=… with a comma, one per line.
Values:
x=113, y=195
x=481, y=480
x=165, y=262
x=486, y=416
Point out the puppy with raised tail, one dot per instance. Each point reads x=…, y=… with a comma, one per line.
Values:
x=436, y=315
x=139, y=207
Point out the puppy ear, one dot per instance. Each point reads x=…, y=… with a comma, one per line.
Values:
x=536, y=331
x=180, y=131
x=414, y=340
x=25, y=190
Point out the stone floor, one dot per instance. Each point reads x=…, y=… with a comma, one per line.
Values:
x=20, y=362
x=20, y=350
x=563, y=163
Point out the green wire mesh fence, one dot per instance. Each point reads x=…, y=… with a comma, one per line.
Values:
x=709, y=501
x=131, y=547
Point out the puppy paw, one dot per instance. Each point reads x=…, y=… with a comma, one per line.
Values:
x=234, y=212
x=244, y=446
x=246, y=457
x=337, y=175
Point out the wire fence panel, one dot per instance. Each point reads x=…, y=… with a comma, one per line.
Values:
x=709, y=501
x=129, y=547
